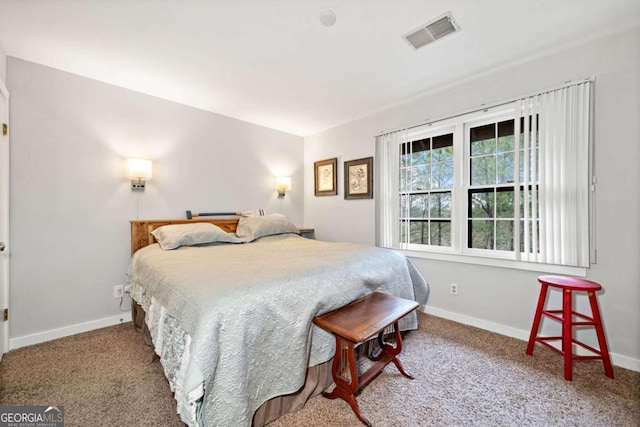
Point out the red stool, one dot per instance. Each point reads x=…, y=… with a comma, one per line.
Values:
x=566, y=317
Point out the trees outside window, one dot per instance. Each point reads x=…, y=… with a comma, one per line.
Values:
x=426, y=182
x=495, y=203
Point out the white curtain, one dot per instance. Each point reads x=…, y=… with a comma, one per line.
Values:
x=387, y=170
x=562, y=234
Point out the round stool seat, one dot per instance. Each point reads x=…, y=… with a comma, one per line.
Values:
x=571, y=283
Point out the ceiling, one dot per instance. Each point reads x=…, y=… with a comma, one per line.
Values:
x=271, y=62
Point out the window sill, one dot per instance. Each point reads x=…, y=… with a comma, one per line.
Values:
x=496, y=262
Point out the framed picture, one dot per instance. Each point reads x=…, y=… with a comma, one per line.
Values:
x=325, y=177
x=358, y=179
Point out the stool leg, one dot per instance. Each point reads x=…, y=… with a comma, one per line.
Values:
x=602, y=341
x=536, y=319
x=567, y=333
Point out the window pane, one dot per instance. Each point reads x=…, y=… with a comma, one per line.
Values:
x=506, y=141
x=521, y=203
x=483, y=140
x=442, y=175
x=419, y=206
x=504, y=235
x=505, y=204
x=428, y=164
x=420, y=151
x=505, y=167
x=419, y=232
x=483, y=170
x=481, y=234
x=442, y=148
x=404, y=158
x=421, y=145
x=415, y=152
x=420, y=179
x=421, y=157
x=440, y=233
x=440, y=205
x=481, y=204
x=403, y=231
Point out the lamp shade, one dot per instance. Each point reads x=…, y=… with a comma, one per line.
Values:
x=283, y=183
x=139, y=169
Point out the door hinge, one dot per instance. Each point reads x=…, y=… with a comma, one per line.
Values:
x=5, y=129
x=5, y=314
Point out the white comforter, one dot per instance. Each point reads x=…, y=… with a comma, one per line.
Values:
x=234, y=321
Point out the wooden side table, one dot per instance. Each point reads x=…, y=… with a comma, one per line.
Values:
x=356, y=323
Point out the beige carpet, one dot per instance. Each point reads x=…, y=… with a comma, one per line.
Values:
x=464, y=377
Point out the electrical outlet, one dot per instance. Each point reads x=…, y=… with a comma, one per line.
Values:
x=118, y=291
x=453, y=288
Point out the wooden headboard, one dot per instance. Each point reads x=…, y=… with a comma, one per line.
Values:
x=141, y=228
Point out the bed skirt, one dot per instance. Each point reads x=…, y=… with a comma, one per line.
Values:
x=318, y=379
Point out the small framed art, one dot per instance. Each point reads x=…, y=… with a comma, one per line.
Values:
x=325, y=177
x=358, y=179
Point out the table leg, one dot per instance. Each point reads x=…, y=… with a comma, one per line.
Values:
x=391, y=351
x=346, y=390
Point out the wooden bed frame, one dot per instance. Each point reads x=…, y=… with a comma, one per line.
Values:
x=141, y=228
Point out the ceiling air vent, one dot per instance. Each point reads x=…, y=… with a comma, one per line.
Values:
x=432, y=31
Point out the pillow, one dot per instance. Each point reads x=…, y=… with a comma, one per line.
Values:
x=174, y=236
x=251, y=228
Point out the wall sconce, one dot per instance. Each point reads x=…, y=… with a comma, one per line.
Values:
x=139, y=172
x=283, y=184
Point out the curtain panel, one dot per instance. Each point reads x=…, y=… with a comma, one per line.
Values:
x=561, y=236
x=387, y=169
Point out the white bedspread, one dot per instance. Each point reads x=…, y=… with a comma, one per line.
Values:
x=243, y=314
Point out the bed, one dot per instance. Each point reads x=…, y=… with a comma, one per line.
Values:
x=230, y=315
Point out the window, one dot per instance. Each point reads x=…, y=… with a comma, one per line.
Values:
x=508, y=182
x=426, y=181
x=495, y=201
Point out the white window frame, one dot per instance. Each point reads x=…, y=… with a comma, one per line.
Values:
x=460, y=126
x=498, y=116
x=442, y=128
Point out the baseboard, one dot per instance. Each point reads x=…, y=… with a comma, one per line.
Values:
x=616, y=359
x=78, y=328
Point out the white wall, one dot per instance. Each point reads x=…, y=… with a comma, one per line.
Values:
x=503, y=299
x=3, y=65
x=71, y=202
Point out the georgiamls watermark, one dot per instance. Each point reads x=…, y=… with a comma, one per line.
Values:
x=31, y=416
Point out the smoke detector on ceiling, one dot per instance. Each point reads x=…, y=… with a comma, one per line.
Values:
x=433, y=30
x=327, y=18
